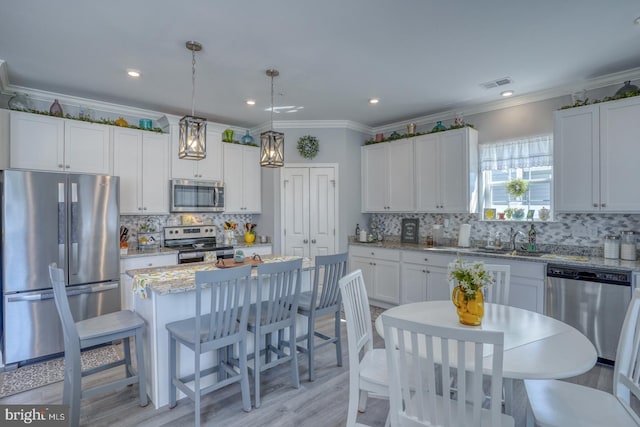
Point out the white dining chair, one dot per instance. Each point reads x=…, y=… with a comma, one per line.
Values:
x=420, y=355
x=367, y=375
x=560, y=403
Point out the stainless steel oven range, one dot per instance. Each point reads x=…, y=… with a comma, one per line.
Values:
x=194, y=241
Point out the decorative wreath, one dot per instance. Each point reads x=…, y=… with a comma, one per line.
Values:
x=308, y=146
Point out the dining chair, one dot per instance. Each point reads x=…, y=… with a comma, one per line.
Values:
x=420, y=355
x=560, y=403
x=220, y=323
x=278, y=292
x=367, y=375
x=105, y=329
x=323, y=300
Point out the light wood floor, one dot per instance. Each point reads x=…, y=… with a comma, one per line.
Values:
x=322, y=403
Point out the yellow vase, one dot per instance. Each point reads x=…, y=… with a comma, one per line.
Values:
x=470, y=308
x=249, y=237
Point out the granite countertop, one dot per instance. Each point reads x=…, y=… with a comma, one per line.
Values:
x=132, y=253
x=181, y=278
x=244, y=245
x=551, y=257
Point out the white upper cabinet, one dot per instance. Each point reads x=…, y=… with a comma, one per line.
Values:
x=209, y=168
x=595, y=157
x=242, y=179
x=53, y=144
x=446, y=165
x=141, y=160
x=387, y=177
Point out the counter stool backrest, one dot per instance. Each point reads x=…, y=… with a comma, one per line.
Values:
x=71, y=338
x=284, y=281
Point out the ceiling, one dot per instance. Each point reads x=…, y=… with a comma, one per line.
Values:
x=419, y=57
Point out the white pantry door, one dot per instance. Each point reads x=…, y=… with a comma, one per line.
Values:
x=309, y=211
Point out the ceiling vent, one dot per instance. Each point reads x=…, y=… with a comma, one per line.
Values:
x=496, y=83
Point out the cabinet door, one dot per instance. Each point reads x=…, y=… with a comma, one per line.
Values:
x=127, y=164
x=527, y=293
x=427, y=166
x=210, y=168
x=251, y=184
x=374, y=178
x=181, y=168
x=132, y=263
x=619, y=154
x=37, y=142
x=386, y=280
x=87, y=147
x=155, y=173
x=438, y=283
x=413, y=283
x=366, y=265
x=576, y=159
x=233, y=178
x=453, y=171
x=400, y=178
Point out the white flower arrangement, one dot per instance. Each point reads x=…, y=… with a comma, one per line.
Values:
x=308, y=146
x=470, y=276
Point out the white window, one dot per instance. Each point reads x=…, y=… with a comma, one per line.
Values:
x=529, y=159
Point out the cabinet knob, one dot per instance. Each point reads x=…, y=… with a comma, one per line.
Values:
x=139, y=208
x=428, y=272
x=595, y=205
x=374, y=263
x=424, y=271
x=604, y=205
x=373, y=253
x=60, y=165
x=305, y=241
x=313, y=241
x=68, y=167
x=150, y=264
x=144, y=209
x=426, y=259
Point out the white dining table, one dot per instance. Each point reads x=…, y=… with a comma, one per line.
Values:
x=535, y=346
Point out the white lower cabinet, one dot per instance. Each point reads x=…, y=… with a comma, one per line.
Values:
x=380, y=270
x=424, y=276
x=135, y=262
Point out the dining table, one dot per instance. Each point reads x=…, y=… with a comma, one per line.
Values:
x=535, y=346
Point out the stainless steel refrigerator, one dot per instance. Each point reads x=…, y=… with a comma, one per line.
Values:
x=69, y=219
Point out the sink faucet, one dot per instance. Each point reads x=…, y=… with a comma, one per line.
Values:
x=513, y=236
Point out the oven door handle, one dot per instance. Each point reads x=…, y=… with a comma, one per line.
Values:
x=191, y=255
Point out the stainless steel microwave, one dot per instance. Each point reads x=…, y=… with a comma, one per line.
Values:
x=196, y=196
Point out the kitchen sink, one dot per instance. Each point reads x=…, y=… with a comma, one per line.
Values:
x=508, y=252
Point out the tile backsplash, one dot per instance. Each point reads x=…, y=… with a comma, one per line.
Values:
x=585, y=231
x=132, y=222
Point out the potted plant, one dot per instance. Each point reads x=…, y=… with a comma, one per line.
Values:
x=517, y=187
x=250, y=232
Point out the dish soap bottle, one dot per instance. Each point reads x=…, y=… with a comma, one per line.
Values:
x=357, y=230
x=532, y=239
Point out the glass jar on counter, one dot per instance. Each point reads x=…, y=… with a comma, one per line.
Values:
x=628, y=245
x=612, y=246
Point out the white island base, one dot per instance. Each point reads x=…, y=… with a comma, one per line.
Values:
x=158, y=310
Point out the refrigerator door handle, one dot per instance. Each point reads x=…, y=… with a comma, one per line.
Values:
x=62, y=226
x=45, y=295
x=73, y=238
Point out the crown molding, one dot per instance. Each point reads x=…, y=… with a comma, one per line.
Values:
x=313, y=124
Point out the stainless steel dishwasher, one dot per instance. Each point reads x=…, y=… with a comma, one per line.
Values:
x=592, y=300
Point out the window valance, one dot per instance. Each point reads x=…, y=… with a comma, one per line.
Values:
x=518, y=153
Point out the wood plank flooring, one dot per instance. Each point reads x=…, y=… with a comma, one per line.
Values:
x=321, y=403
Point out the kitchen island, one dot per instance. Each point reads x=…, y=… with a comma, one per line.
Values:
x=166, y=294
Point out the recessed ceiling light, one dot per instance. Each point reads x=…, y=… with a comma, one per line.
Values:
x=134, y=73
x=251, y=102
x=637, y=21
x=506, y=93
x=374, y=101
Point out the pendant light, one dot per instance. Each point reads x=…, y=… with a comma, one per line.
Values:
x=193, y=130
x=271, y=142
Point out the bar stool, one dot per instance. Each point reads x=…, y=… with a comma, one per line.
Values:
x=89, y=333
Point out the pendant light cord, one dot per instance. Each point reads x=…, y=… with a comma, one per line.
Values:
x=193, y=81
x=272, y=102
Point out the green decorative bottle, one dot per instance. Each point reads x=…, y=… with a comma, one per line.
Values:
x=532, y=239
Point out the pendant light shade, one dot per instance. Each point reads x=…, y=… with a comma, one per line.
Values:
x=193, y=130
x=271, y=142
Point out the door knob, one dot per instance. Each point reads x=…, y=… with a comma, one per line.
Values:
x=305, y=241
x=313, y=241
